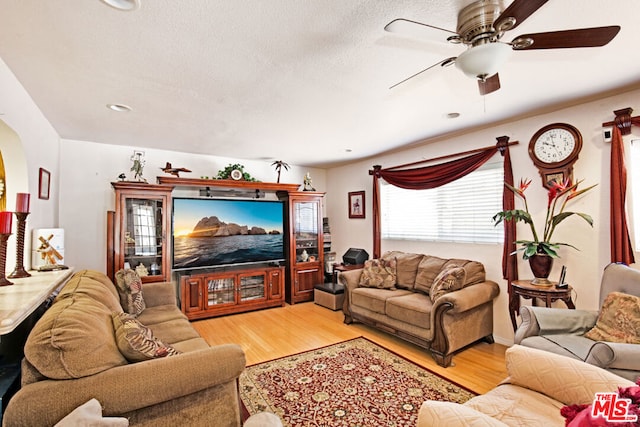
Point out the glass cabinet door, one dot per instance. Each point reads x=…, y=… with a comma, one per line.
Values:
x=252, y=287
x=221, y=291
x=143, y=240
x=305, y=233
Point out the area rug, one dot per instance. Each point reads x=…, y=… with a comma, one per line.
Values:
x=352, y=383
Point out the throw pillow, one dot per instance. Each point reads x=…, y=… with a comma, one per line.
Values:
x=129, y=287
x=428, y=270
x=136, y=341
x=448, y=280
x=379, y=273
x=619, y=320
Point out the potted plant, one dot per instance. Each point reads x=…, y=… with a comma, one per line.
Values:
x=541, y=250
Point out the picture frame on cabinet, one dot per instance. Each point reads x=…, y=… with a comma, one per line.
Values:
x=44, y=184
x=356, y=204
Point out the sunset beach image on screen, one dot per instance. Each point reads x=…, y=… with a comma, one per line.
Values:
x=222, y=232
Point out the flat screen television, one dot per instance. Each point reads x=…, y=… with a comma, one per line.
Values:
x=223, y=232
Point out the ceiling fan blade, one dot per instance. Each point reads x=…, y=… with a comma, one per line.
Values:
x=488, y=85
x=516, y=13
x=444, y=63
x=414, y=28
x=584, y=37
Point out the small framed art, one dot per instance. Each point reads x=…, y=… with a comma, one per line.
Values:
x=44, y=184
x=356, y=204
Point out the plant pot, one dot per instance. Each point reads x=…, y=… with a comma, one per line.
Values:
x=540, y=265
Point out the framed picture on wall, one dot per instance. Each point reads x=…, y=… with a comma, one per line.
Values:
x=44, y=184
x=356, y=204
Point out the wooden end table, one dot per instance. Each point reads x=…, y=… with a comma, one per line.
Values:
x=526, y=290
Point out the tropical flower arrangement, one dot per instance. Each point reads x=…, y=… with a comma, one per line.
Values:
x=558, y=196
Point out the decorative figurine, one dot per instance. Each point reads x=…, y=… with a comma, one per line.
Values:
x=279, y=164
x=307, y=183
x=142, y=270
x=173, y=171
x=122, y=177
x=138, y=165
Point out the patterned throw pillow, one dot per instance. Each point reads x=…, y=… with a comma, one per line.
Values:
x=379, y=273
x=129, y=287
x=136, y=341
x=448, y=280
x=619, y=320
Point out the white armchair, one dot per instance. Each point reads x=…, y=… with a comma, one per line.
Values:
x=561, y=331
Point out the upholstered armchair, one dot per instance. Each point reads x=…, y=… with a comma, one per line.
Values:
x=562, y=331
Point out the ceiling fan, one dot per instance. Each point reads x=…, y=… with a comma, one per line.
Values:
x=481, y=26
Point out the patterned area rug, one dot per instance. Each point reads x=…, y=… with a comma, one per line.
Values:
x=353, y=383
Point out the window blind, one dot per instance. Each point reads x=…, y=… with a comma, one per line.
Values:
x=460, y=211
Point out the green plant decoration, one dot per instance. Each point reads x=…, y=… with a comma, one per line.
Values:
x=226, y=173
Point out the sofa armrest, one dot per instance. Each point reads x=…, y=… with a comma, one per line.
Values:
x=446, y=414
x=468, y=297
x=562, y=378
x=549, y=321
x=615, y=355
x=159, y=293
x=129, y=387
x=350, y=279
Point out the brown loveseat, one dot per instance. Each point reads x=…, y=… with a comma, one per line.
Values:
x=72, y=355
x=403, y=307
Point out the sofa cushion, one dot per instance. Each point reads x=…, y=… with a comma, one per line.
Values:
x=619, y=320
x=451, y=278
x=406, y=268
x=428, y=270
x=136, y=342
x=129, y=287
x=474, y=269
x=374, y=299
x=413, y=308
x=379, y=273
x=93, y=284
x=74, y=337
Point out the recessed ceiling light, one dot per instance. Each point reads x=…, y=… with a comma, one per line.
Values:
x=453, y=115
x=126, y=5
x=348, y=150
x=119, y=107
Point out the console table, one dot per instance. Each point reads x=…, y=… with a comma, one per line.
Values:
x=21, y=299
x=524, y=289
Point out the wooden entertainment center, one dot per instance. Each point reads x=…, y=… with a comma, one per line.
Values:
x=226, y=290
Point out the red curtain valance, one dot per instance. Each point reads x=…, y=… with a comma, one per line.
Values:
x=427, y=177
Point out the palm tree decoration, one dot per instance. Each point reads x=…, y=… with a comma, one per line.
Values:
x=279, y=164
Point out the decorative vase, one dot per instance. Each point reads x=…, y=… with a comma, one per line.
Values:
x=541, y=267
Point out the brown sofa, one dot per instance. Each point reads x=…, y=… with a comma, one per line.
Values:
x=452, y=321
x=72, y=356
x=538, y=385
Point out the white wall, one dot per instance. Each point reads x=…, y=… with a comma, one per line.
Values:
x=88, y=168
x=584, y=266
x=28, y=142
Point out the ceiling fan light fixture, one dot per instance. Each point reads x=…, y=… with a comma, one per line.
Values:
x=483, y=60
x=125, y=5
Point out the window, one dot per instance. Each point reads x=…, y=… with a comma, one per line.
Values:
x=460, y=211
x=635, y=190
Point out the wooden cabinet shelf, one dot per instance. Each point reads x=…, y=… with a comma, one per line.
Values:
x=226, y=183
x=206, y=295
x=304, y=245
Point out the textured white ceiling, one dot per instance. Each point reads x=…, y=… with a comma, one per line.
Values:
x=292, y=80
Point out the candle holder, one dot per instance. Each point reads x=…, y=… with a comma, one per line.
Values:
x=19, y=271
x=3, y=258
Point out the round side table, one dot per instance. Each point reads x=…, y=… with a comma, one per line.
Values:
x=524, y=289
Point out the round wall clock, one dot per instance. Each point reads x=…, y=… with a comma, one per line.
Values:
x=554, y=149
x=236, y=174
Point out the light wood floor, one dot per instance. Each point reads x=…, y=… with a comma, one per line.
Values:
x=277, y=332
